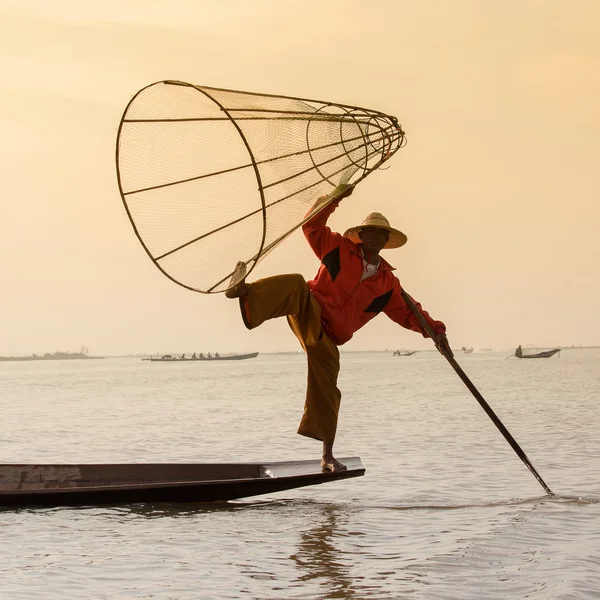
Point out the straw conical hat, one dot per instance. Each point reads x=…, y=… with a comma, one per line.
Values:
x=375, y=219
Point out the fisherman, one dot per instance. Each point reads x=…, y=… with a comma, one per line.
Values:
x=519, y=351
x=353, y=285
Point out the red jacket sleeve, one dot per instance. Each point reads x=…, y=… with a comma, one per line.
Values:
x=398, y=311
x=321, y=239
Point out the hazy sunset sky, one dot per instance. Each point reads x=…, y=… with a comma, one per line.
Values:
x=497, y=187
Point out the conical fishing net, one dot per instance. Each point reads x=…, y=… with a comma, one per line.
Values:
x=210, y=177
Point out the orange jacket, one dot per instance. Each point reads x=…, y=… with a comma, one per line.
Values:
x=347, y=303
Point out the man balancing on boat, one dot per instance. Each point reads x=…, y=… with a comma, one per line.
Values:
x=353, y=285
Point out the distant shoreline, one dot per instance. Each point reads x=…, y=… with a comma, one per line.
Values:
x=56, y=356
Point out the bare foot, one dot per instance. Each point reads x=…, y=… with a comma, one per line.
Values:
x=239, y=275
x=328, y=463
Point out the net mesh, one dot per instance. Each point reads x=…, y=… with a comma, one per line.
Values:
x=212, y=177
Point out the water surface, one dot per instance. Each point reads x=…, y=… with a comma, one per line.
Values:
x=446, y=509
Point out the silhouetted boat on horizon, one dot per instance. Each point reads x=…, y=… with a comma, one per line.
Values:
x=201, y=357
x=544, y=354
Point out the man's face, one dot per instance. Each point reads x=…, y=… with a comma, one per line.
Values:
x=374, y=239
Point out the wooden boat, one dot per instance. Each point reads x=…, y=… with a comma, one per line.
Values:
x=545, y=354
x=170, y=358
x=95, y=484
x=404, y=352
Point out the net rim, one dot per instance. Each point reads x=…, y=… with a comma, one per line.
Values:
x=200, y=89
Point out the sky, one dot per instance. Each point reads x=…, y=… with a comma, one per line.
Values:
x=496, y=189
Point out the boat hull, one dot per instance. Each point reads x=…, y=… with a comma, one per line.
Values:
x=545, y=354
x=205, y=358
x=87, y=485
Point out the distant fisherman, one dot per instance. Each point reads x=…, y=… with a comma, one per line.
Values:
x=353, y=285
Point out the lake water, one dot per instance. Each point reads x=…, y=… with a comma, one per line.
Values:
x=446, y=509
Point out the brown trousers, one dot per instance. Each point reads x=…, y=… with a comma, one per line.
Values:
x=290, y=295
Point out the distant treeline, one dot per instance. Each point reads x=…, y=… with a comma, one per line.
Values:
x=51, y=356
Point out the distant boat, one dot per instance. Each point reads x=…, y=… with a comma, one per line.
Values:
x=201, y=358
x=467, y=350
x=96, y=484
x=545, y=354
x=404, y=352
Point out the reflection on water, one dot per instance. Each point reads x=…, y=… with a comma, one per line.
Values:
x=319, y=559
x=161, y=510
